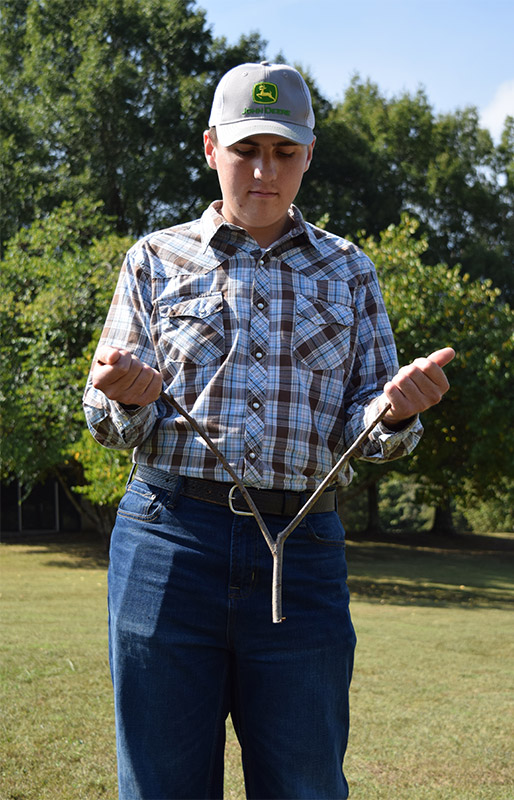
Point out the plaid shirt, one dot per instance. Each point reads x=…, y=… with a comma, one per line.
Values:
x=280, y=353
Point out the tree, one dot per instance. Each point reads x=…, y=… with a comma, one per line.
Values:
x=56, y=283
x=20, y=158
x=468, y=447
x=104, y=105
x=103, y=475
x=350, y=179
x=108, y=100
x=377, y=158
x=468, y=204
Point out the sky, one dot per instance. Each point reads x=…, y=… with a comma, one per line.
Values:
x=461, y=52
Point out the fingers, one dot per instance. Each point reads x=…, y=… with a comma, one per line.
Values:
x=424, y=377
x=123, y=377
x=411, y=392
x=442, y=357
x=108, y=355
x=417, y=386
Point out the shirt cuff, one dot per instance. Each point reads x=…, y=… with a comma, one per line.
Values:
x=117, y=426
x=385, y=442
x=129, y=416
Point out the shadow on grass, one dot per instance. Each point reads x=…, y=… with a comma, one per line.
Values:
x=468, y=542
x=409, y=569
x=401, y=572
x=73, y=551
x=393, y=592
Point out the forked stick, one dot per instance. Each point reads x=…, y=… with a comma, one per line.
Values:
x=278, y=549
x=276, y=546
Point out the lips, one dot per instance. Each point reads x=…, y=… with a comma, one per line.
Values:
x=263, y=194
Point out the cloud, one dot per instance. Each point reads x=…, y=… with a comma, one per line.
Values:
x=501, y=106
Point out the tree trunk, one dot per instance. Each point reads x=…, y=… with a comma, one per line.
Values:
x=374, y=526
x=443, y=520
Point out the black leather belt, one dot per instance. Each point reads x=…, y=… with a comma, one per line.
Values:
x=268, y=501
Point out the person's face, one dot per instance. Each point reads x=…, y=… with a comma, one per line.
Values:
x=259, y=178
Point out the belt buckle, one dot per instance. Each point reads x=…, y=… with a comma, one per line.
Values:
x=235, y=510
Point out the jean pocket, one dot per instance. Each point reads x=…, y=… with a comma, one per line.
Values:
x=322, y=333
x=326, y=529
x=141, y=502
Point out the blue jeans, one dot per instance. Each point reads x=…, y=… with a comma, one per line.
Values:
x=191, y=641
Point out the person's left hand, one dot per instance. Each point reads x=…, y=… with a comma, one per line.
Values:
x=417, y=387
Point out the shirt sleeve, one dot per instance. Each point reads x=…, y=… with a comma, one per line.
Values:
x=127, y=327
x=375, y=363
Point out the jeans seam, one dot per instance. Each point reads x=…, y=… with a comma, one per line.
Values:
x=141, y=518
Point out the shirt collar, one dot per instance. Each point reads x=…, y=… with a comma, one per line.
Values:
x=212, y=223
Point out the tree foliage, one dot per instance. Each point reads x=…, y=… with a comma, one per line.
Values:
x=56, y=283
x=107, y=99
x=102, y=107
x=377, y=158
x=468, y=446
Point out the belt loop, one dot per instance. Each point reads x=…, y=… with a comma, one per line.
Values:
x=177, y=490
x=131, y=475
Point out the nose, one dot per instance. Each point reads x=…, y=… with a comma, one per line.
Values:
x=265, y=168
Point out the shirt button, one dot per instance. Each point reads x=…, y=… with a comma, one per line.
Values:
x=258, y=354
x=256, y=405
x=252, y=456
x=260, y=305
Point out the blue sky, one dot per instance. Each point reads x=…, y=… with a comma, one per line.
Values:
x=461, y=52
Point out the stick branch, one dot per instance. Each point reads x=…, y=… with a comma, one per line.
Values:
x=278, y=555
x=217, y=452
x=276, y=546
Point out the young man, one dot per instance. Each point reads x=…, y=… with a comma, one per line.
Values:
x=273, y=335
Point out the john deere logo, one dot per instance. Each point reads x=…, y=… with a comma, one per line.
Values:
x=265, y=93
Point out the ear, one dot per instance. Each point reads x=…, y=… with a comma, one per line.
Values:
x=209, y=150
x=310, y=151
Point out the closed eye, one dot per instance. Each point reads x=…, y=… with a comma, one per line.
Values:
x=252, y=152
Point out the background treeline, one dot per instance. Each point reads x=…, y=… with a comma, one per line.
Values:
x=103, y=104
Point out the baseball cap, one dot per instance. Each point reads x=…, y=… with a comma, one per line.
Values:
x=262, y=98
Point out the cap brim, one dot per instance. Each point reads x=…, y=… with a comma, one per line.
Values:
x=236, y=131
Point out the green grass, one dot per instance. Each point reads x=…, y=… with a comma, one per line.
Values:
x=432, y=693
x=56, y=734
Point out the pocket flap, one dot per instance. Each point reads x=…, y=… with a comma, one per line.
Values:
x=198, y=307
x=321, y=313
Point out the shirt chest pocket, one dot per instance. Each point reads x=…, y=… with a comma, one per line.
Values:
x=192, y=328
x=322, y=333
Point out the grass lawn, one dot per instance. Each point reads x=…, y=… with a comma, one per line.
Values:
x=432, y=693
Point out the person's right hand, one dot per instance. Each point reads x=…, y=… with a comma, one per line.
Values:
x=124, y=378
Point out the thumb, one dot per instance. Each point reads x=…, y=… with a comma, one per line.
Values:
x=107, y=355
x=442, y=357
